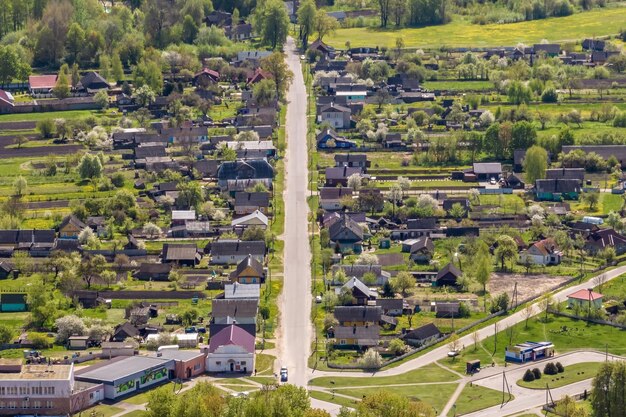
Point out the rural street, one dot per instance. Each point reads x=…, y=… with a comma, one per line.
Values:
x=483, y=333
x=525, y=398
x=296, y=327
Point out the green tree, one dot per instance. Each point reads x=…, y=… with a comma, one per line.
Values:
x=307, y=13
x=6, y=334
x=591, y=198
x=144, y=95
x=117, y=70
x=403, y=283
x=272, y=22
x=518, y=93
x=102, y=99
x=607, y=394
x=506, y=250
x=148, y=73
x=12, y=66
x=62, y=88
x=523, y=135
x=91, y=267
x=457, y=211
x=324, y=24
x=46, y=128
x=40, y=303
x=190, y=195
x=20, y=185
x=276, y=65
x=75, y=42
x=483, y=270
x=264, y=92
x=190, y=29
x=90, y=167
x=535, y=164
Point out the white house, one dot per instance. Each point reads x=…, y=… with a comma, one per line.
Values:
x=544, y=252
x=231, y=350
x=256, y=218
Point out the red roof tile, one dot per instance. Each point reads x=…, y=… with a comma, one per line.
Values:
x=232, y=335
x=42, y=81
x=584, y=295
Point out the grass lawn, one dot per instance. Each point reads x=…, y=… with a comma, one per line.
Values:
x=573, y=373
x=435, y=395
x=49, y=115
x=264, y=364
x=103, y=410
x=566, y=334
x=459, y=85
x=475, y=397
x=430, y=373
x=461, y=32
x=232, y=381
x=136, y=413
x=143, y=397
x=335, y=399
x=468, y=354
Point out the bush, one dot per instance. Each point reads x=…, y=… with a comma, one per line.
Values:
x=550, y=369
x=40, y=340
x=118, y=179
x=464, y=310
x=559, y=368
x=549, y=95
x=529, y=376
x=537, y=373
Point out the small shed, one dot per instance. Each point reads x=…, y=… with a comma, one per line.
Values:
x=77, y=342
x=472, y=366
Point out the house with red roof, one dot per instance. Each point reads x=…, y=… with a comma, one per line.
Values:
x=231, y=350
x=584, y=298
x=259, y=74
x=543, y=252
x=41, y=84
x=6, y=101
x=205, y=78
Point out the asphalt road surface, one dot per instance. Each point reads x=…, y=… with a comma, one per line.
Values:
x=296, y=328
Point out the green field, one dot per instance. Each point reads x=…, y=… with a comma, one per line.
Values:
x=435, y=395
x=49, y=115
x=475, y=397
x=566, y=334
x=573, y=373
x=335, y=399
x=429, y=373
x=103, y=410
x=461, y=32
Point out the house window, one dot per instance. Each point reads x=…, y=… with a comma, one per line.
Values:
x=1, y=405
x=342, y=342
x=243, y=363
x=24, y=403
x=12, y=404
x=218, y=363
x=196, y=367
x=2, y=391
x=48, y=404
x=37, y=404
x=91, y=395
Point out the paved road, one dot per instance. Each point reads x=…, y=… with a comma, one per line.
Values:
x=296, y=328
x=484, y=333
x=526, y=399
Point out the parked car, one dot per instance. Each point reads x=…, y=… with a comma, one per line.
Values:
x=318, y=299
x=492, y=181
x=283, y=374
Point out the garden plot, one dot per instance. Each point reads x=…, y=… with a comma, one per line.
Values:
x=527, y=285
